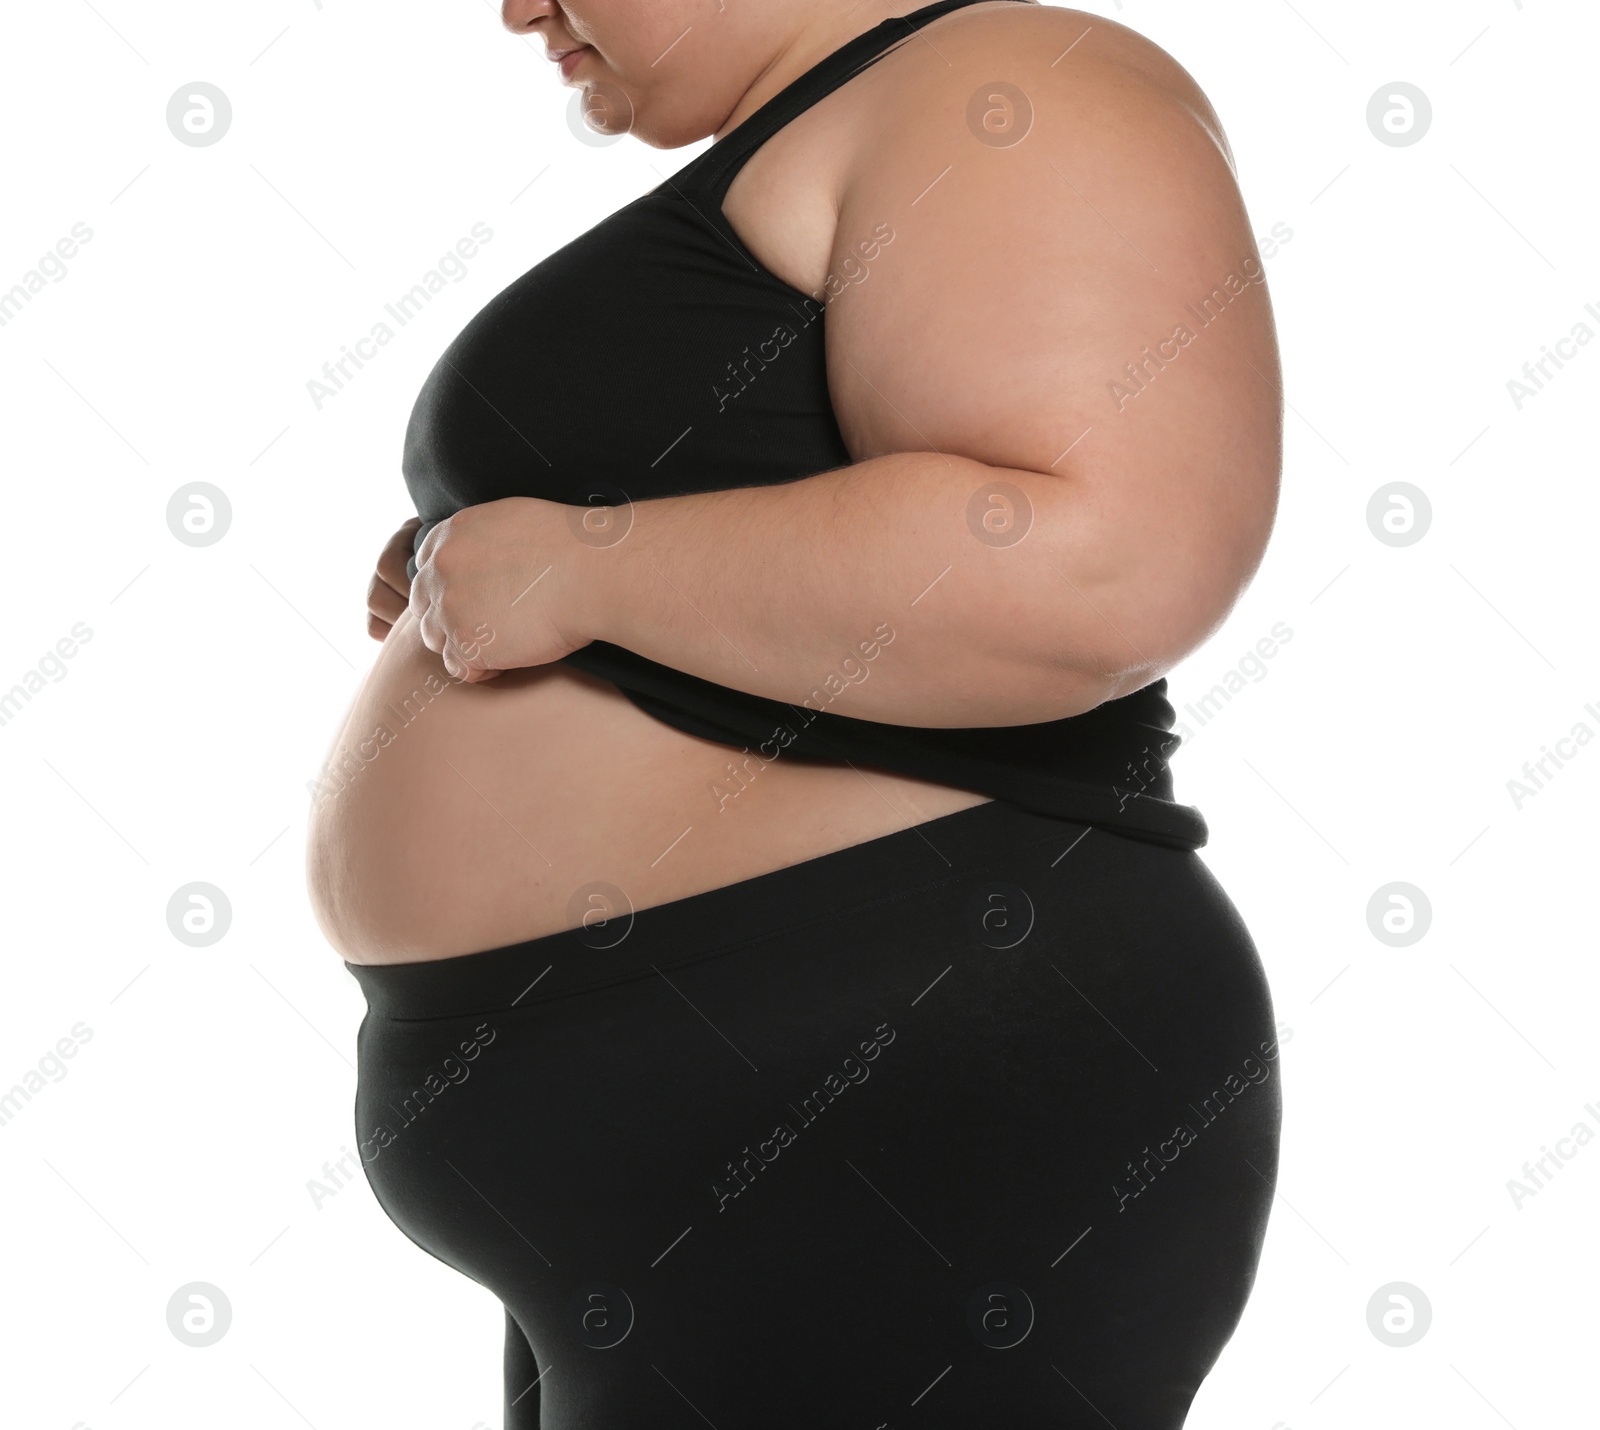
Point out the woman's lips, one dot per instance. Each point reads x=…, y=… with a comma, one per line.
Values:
x=569, y=61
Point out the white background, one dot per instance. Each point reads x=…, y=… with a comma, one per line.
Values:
x=1374, y=747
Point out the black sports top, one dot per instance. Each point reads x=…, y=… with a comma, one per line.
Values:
x=657, y=397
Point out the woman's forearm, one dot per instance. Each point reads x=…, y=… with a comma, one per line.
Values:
x=895, y=589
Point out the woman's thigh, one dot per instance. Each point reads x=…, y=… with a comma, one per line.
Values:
x=991, y=1138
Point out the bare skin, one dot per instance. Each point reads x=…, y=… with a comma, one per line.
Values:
x=474, y=818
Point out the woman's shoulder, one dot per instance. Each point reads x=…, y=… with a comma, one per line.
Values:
x=1043, y=60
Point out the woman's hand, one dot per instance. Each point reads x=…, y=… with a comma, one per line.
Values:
x=493, y=584
x=389, y=590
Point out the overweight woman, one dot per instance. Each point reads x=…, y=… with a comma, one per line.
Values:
x=793, y=990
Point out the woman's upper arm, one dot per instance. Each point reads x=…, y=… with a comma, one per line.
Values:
x=1085, y=301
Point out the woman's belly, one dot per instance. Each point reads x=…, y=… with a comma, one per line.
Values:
x=452, y=818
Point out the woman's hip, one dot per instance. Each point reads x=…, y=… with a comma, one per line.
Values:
x=996, y=1051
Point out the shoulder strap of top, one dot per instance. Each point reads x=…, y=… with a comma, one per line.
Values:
x=718, y=165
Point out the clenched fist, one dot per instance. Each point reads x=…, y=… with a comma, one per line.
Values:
x=497, y=588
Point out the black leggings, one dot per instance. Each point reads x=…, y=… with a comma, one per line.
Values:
x=972, y=1124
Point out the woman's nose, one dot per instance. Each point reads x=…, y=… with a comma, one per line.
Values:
x=519, y=16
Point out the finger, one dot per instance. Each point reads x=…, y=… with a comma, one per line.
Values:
x=392, y=562
x=426, y=614
x=435, y=535
x=459, y=661
x=458, y=666
x=432, y=627
x=384, y=602
x=472, y=661
x=378, y=630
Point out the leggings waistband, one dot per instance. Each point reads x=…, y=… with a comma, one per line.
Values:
x=637, y=944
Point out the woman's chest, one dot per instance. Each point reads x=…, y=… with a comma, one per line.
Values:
x=651, y=356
